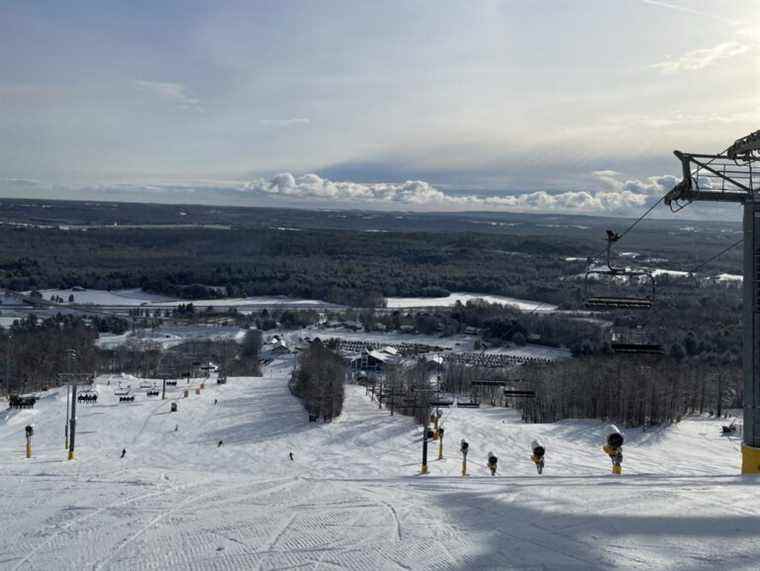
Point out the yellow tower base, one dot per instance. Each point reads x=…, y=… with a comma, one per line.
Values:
x=750, y=460
x=28, y=450
x=616, y=469
x=71, y=455
x=424, y=469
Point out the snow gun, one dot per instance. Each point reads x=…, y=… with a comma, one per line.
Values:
x=537, y=455
x=29, y=433
x=464, y=447
x=614, y=449
x=492, y=463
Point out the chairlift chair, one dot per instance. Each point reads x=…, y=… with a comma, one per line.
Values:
x=605, y=301
x=634, y=340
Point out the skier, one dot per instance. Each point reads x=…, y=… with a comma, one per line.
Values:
x=176, y=427
x=492, y=461
x=123, y=452
x=538, y=455
x=220, y=444
x=292, y=459
x=214, y=401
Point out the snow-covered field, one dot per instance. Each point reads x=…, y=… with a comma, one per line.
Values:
x=450, y=300
x=134, y=297
x=138, y=297
x=352, y=498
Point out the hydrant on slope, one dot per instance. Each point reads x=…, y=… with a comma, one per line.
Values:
x=614, y=449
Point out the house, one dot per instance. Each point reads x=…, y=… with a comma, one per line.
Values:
x=276, y=347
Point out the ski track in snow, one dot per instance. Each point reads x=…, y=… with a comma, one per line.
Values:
x=353, y=499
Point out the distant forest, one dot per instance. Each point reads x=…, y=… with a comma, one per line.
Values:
x=350, y=267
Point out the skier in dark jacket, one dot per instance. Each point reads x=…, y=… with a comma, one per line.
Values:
x=123, y=452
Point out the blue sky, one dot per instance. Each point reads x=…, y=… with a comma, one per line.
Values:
x=558, y=105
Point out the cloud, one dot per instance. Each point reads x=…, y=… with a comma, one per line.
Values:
x=653, y=186
x=285, y=122
x=615, y=195
x=700, y=59
x=171, y=93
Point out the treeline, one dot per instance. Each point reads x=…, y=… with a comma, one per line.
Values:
x=152, y=361
x=34, y=353
x=635, y=391
x=704, y=323
x=318, y=380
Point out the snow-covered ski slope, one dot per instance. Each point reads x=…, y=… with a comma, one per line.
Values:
x=351, y=499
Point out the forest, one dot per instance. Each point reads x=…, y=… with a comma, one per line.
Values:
x=636, y=391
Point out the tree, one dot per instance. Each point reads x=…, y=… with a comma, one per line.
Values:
x=252, y=343
x=319, y=381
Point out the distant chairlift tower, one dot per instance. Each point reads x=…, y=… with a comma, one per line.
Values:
x=732, y=176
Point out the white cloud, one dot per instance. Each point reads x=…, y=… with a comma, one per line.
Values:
x=170, y=92
x=617, y=195
x=285, y=122
x=652, y=186
x=700, y=59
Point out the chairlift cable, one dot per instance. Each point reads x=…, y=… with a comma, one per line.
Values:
x=635, y=222
x=716, y=256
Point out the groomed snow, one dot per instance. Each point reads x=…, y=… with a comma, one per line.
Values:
x=352, y=498
x=450, y=300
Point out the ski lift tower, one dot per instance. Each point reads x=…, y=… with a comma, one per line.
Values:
x=734, y=176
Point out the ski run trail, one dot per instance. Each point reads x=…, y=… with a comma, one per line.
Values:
x=352, y=497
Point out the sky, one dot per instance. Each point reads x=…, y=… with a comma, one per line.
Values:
x=519, y=105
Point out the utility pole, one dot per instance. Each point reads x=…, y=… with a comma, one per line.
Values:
x=73, y=421
x=729, y=177
x=71, y=354
x=424, y=469
x=66, y=426
x=8, y=362
x=72, y=379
